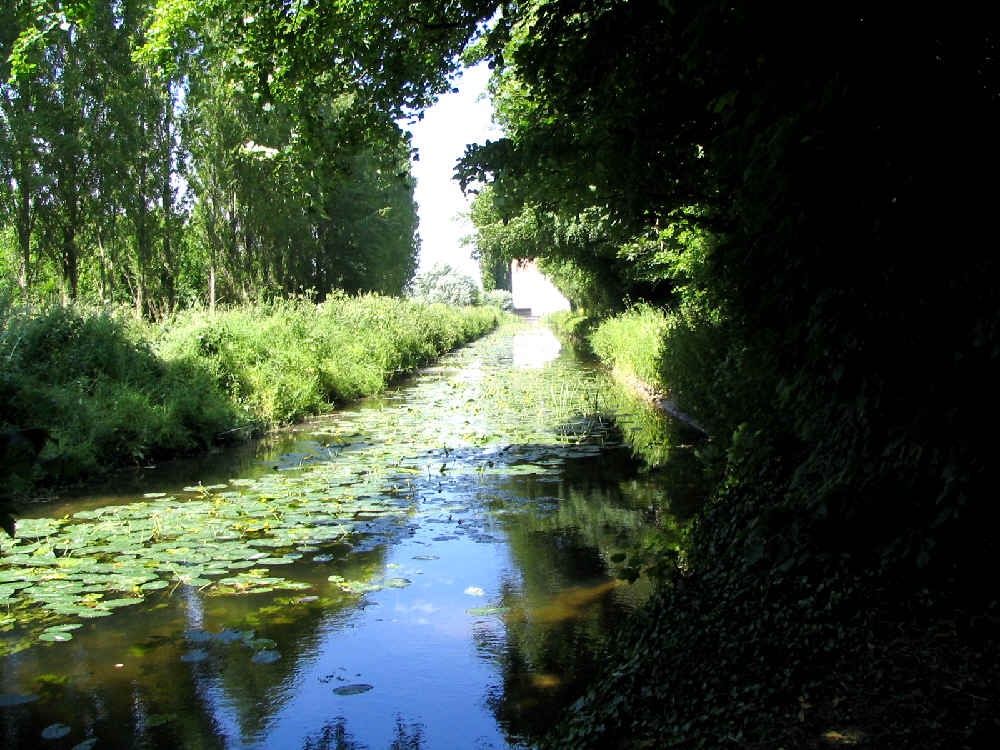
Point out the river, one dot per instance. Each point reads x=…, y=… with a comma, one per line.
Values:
x=433, y=568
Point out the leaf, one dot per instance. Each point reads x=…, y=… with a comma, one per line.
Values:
x=353, y=689
x=484, y=611
x=266, y=657
x=56, y=731
x=16, y=699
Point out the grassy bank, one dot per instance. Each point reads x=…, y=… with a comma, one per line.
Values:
x=112, y=391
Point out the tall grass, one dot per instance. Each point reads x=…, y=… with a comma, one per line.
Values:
x=631, y=344
x=691, y=353
x=287, y=359
x=112, y=391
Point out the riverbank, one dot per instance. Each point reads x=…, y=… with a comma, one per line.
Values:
x=793, y=620
x=113, y=392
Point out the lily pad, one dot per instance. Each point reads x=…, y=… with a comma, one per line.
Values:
x=87, y=744
x=485, y=611
x=194, y=656
x=266, y=657
x=353, y=689
x=360, y=587
x=397, y=583
x=127, y=601
x=56, y=731
x=198, y=635
x=55, y=636
x=16, y=699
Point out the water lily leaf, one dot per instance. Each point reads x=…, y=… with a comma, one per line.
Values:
x=16, y=699
x=197, y=583
x=195, y=655
x=266, y=657
x=353, y=689
x=34, y=528
x=359, y=587
x=267, y=561
x=398, y=583
x=56, y=731
x=231, y=635
x=485, y=611
x=86, y=744
x=55, y=636
x=91, y=613
x=127, y=601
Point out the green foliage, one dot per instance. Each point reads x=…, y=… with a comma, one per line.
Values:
x=159, y=154
x=113, y=392
x=500, y=298
x=570, y=325
x=632, y=344
x=733, y=200
x=92, y=379
x=442, y=283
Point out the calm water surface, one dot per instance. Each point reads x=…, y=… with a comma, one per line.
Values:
x=431, y=569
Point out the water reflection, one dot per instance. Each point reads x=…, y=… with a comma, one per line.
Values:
x=480, y=570
x=535, y=347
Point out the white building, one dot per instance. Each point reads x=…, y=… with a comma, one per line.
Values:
x=532, y=291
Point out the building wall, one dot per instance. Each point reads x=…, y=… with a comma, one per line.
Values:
x=533, y=291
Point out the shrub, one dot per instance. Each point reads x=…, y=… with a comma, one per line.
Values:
x=442, y=283
x=500, y=298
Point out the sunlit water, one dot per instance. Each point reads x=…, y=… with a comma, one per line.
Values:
x=435, y=568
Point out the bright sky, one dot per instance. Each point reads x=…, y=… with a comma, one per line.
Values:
x=441, y=137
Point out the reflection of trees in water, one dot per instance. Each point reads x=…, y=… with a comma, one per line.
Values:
x=335, y=736
x=549, y=653
x=565, y=602
x=128, y=713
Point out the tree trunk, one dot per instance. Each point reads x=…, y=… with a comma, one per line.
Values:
x=211, y=287
x=24, y=221
x=70, y=264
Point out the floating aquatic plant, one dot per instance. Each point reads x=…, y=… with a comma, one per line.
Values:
x=56, y=731
x=354, y=689
x=360, y=486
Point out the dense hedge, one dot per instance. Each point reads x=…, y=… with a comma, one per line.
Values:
x=800, y=614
